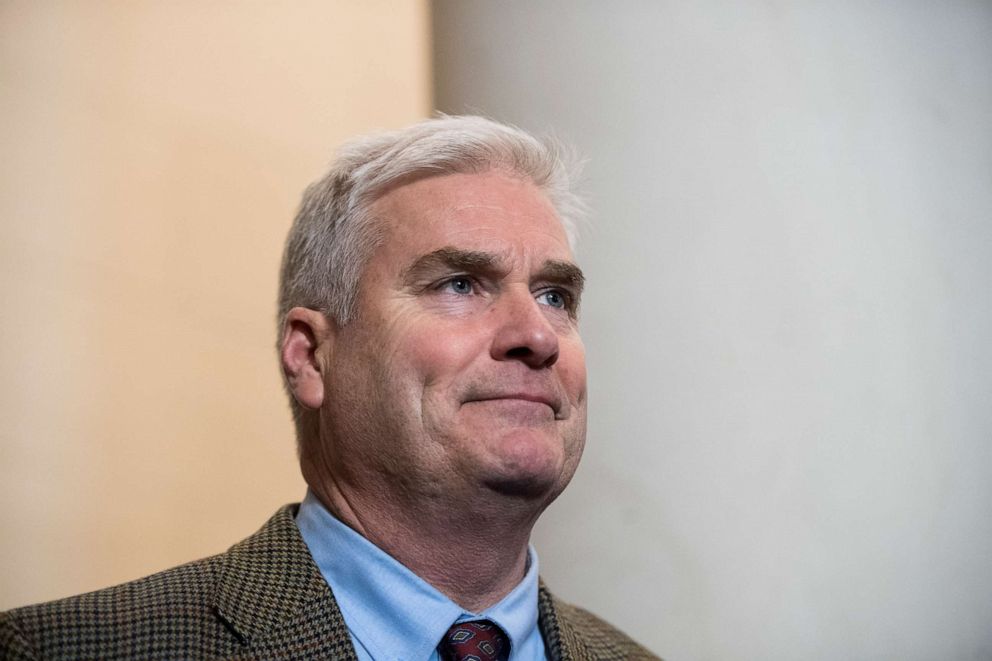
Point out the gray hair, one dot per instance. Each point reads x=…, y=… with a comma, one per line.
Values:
x=334, y=234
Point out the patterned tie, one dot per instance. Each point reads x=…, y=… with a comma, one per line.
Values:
x=474, y=641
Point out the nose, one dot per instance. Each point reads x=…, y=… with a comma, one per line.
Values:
x=524, y=332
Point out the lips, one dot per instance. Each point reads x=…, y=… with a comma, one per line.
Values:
x=550, y=399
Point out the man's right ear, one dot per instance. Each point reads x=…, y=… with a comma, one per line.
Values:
x=307, y=340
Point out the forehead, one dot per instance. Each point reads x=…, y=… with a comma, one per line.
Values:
x=491, y=211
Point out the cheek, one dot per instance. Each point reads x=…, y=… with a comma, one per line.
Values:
x=571, y=367
x=437, y=353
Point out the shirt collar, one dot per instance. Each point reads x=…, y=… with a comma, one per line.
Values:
x=388, y=609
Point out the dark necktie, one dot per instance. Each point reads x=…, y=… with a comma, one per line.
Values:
x=474, y=641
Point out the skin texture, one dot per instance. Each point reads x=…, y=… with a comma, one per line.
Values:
x=452, y=407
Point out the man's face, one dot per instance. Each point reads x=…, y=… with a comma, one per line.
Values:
x=462, y=366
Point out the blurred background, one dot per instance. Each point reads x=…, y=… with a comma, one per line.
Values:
x=788, y=322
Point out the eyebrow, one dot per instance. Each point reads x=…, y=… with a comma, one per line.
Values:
x=451, y=258
x=565, y=273
x=474, y=261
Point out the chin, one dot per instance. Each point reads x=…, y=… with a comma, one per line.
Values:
x=529, y=467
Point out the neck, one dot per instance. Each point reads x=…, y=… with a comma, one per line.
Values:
x=472, y=550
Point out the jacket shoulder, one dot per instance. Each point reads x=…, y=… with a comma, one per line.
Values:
x=139, y=619
x=580, y=635
x=253, y=597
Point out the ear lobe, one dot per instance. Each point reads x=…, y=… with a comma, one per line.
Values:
x=307, y=339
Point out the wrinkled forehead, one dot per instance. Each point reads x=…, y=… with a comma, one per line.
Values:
x=492, y=212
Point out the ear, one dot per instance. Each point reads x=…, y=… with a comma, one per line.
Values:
x=307, y=338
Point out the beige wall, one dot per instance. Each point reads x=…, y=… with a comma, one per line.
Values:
x=153, y=155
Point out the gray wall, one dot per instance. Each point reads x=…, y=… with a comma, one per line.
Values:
x=788, y=321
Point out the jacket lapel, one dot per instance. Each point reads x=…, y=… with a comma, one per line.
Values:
x=560, y=640
x=271, y=595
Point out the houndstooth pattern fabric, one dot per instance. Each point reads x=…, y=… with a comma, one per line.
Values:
x=479, y=640
x=263, y=599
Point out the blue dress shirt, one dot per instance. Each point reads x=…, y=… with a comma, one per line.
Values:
x=394, y=615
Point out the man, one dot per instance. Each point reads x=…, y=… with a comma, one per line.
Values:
x=429, y=342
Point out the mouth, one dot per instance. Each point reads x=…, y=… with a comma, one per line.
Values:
x=553, y=402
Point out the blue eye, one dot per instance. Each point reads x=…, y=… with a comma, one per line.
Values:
x=553, y=298
x=460, y=285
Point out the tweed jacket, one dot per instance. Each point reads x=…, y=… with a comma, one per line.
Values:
x=264, y=598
